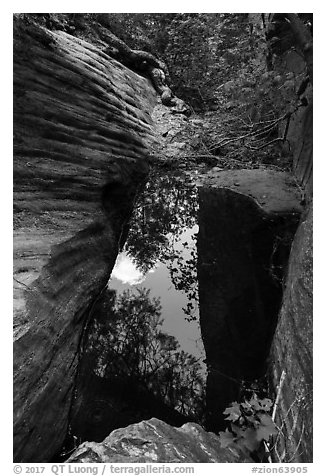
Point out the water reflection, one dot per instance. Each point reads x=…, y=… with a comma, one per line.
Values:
x=126, y=270
x=141, y=358
x=164, y=213
x=161, y=254
x=128, y=342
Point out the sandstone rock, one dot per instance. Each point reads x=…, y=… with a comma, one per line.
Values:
x=273, y=191
x=303, y=149
x=82, y=129
x=154, y=441
x=292, y=351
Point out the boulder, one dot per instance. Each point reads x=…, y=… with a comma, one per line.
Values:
x=154, y=441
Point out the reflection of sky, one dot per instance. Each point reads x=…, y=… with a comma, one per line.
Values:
x=125, y=275
x=125, y=270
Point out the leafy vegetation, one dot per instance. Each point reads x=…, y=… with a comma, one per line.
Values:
x=235, y=64
x=251, y=425
x=165, y=209
x=228, y=63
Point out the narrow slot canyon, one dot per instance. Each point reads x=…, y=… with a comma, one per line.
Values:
x=162, y=242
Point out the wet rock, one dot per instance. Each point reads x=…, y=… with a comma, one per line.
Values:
x=154, y=441
x=82, y=129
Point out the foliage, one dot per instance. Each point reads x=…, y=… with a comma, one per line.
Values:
x=251, y=425
x=183, y=272
x=166, y=208
x=164, y=212
x=226, y=62
x=127, y=341
x=199, y=48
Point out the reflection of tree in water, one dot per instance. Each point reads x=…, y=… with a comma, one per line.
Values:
x=164, y=212
x=183, y=274
x=127, y=342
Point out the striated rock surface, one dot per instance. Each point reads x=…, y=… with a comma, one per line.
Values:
x=154, y=441
x=292, y=351
x=82, y=129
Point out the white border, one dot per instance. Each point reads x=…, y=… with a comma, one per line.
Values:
x=319, y=191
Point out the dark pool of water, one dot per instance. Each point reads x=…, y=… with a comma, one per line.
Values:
x=143, y=353
x=160, y=255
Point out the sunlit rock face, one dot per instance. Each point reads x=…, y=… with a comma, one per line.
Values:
x=154, y=441
x=81, y=134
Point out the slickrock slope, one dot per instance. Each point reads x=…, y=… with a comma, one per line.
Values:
x=81, y=134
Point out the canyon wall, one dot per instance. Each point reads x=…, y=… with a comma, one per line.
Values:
x=82, y=131
x=292, y=350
